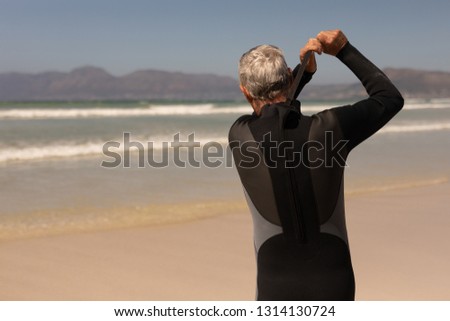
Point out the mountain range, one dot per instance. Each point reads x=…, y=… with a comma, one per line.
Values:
x=93, y=83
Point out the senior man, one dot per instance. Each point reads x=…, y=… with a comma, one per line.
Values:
x=291, y=167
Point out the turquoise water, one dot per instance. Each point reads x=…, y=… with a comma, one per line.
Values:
x=51, y=153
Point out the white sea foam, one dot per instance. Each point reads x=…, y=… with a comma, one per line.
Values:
x=49, y=151
x=414, y=128
x=162, y=110
x=74, y=149
x=177, y=110
x=66, y=147
x=432, y=104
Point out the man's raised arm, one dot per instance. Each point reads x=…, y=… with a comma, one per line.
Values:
x=364, y=118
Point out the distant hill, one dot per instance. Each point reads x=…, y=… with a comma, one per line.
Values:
x=411, y=83
x=92, y=83
x=420, y=83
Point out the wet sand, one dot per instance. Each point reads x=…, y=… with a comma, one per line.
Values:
x=399, y=241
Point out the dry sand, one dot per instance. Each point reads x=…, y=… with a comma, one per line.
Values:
x=400, y=243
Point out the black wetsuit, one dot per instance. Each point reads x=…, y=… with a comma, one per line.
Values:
x=294, y=189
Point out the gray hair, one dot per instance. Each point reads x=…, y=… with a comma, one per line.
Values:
x=264, y=73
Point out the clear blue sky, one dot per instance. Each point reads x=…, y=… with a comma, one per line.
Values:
x=209, y=36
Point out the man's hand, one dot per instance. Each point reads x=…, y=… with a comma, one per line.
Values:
x=332, y=41
x=313, y=45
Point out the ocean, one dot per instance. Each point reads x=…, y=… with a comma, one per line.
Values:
x=96, y=165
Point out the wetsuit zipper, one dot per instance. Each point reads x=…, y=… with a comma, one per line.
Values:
x=296, y=216
x=296, y=219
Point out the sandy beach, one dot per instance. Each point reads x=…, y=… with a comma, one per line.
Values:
x=398, y=238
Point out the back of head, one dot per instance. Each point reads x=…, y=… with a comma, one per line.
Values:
x=264, y=73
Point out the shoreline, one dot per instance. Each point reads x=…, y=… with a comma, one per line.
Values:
x=91, y=219
x=82, y=220
x=398, y=240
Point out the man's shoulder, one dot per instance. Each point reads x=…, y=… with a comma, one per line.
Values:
x=237, y=127
x=328, y=120
x=244, y=119
x=329, y=114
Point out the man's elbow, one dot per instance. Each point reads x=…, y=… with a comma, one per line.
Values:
x=396, y=100
x=399, y=101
